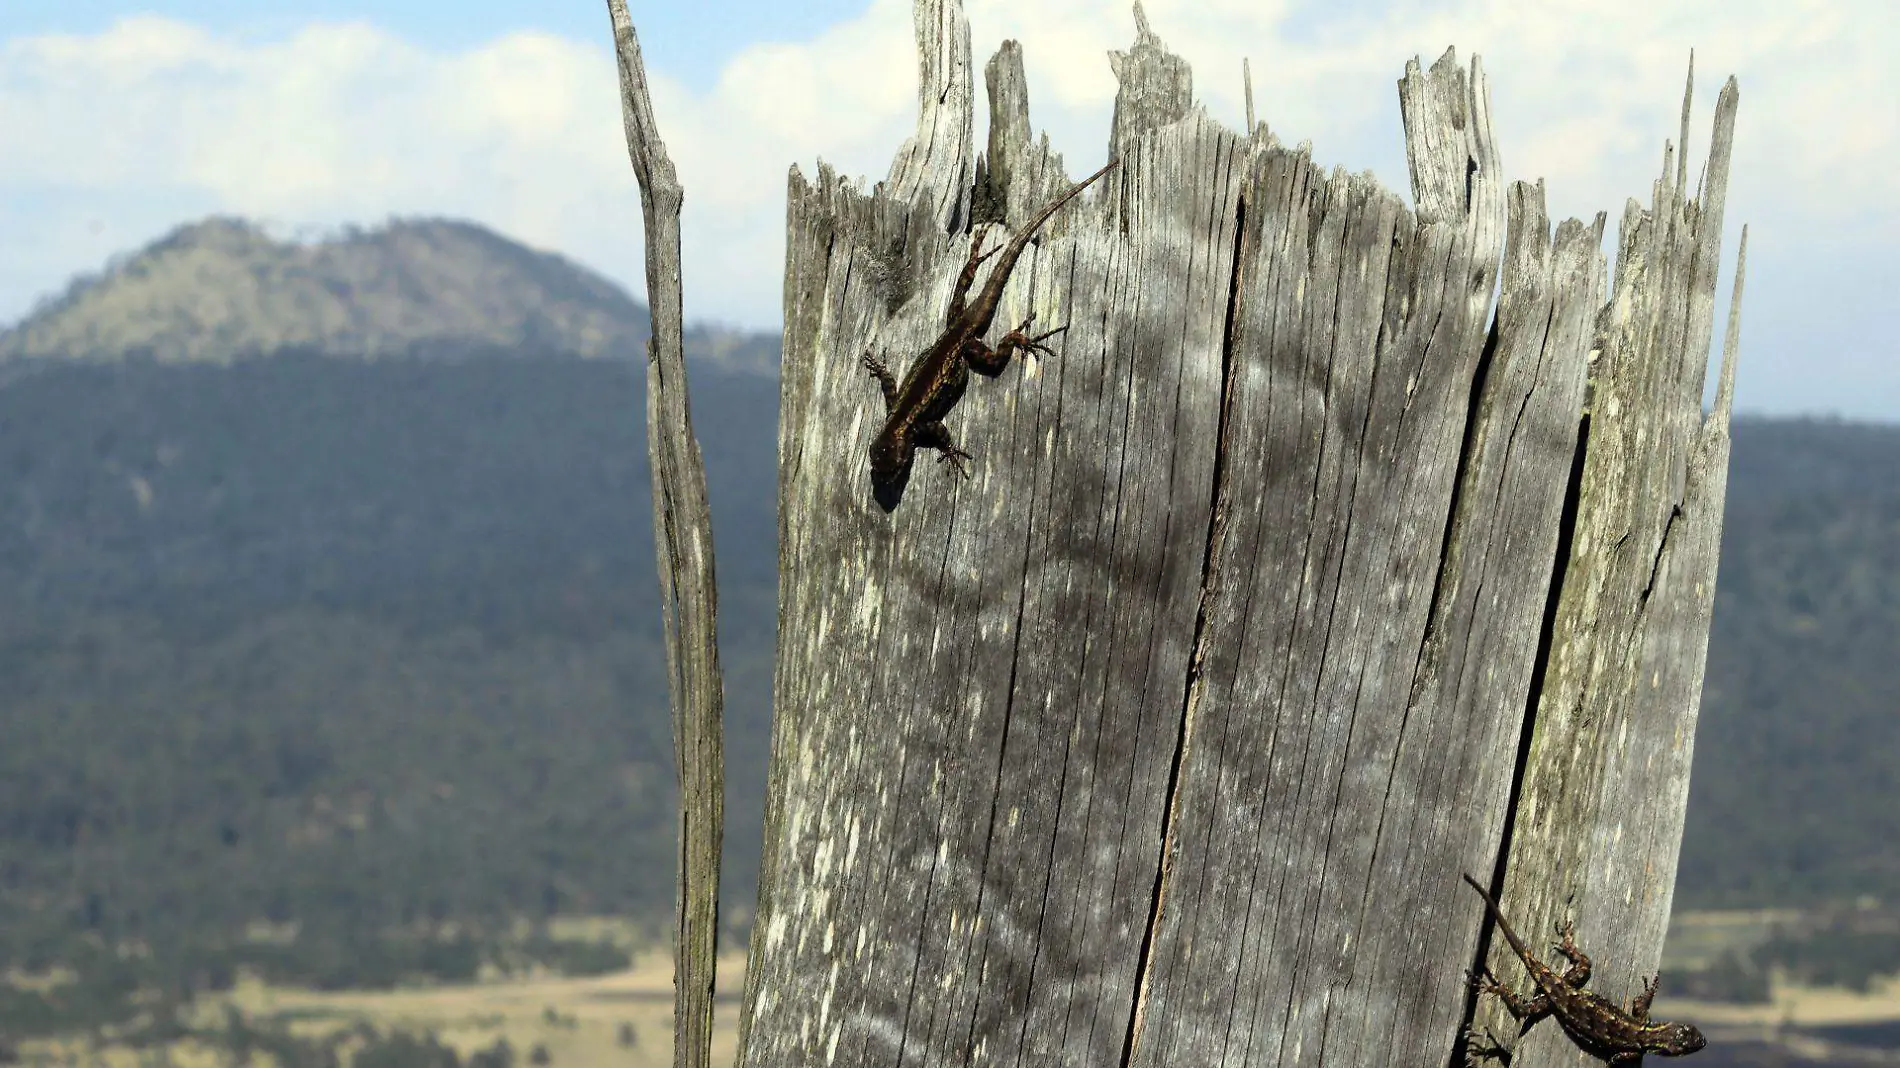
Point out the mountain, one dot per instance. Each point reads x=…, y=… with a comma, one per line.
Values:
x=350, y=638
x=369, y=645
x=222, y=289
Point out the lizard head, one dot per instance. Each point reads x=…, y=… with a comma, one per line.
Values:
x=1675, y=1039
x=891, y=456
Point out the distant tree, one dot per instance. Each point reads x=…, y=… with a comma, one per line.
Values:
x=499, y=1055
x=400, y=1049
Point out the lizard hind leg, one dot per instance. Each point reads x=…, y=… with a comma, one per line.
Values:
x=992, y=361
x=1522, y=1008
x=1579, y=971
x=959, y=296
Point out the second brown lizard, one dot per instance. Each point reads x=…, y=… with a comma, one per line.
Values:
x=1594, y=1022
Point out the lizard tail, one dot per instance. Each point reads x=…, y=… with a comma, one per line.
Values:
x=1055, y=205
x=1497, y=913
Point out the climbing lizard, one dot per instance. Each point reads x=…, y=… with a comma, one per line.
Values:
x=1592, y=1021
x=915, y=408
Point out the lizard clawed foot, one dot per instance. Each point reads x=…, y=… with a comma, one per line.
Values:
x=954, y=457
x=1020, y=340
x=976, y=255
x=1566, y=937
x=1639, y=1005
x=1035, y=344
x=883, y=375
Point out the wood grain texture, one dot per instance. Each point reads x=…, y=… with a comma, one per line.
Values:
x=1607, y=776
x=1310, y=834
x=1164, y=738
x=682, y=538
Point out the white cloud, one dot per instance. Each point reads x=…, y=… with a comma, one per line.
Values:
x=1583, y=91
x=110, y=136
x=343, y=123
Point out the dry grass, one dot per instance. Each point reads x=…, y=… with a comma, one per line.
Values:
x=1792, y=1004
x=578, y=1021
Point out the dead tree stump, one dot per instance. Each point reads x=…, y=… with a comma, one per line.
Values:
x=1302, y=581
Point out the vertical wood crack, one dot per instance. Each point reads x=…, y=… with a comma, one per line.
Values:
x=1210, y=582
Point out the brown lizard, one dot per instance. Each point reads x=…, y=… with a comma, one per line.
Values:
x=1594, y=1022
x=915, y=409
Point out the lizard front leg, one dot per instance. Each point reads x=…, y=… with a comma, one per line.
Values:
x=988, y=361
x=937, y=436
x=884, y=380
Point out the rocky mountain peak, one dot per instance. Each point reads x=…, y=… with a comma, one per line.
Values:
x=222, y=289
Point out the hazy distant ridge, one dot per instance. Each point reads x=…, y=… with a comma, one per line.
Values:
x=222, y=289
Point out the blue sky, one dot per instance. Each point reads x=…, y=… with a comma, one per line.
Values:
x=688, y=40
x=120, y=121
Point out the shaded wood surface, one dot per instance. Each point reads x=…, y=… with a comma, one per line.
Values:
x=1164, y=738
x=682, y=539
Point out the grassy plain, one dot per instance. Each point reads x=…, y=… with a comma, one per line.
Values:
x=624, y=1018
x=579, y=1022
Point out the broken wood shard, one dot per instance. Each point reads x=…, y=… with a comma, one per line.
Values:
x=682, y=538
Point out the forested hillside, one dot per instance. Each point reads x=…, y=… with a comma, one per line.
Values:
x=368, y=643
x=340, y=665
x=361, y=645
x=1795, y=796
x=361, y=641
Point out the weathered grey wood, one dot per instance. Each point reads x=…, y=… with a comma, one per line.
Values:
x=932, y=169
x=682, y=538
x=1156, y=86
x=1606, y=783
x=1009, y=140
x=1164, y=738
x=1246, y=85
x=1357, y=332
